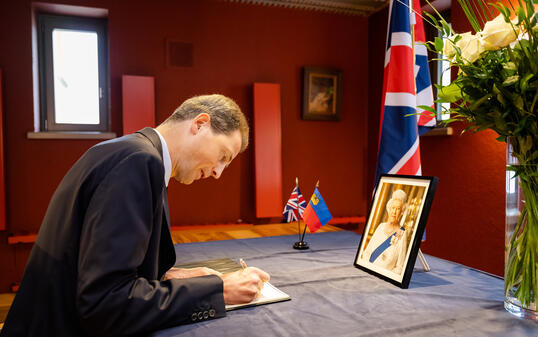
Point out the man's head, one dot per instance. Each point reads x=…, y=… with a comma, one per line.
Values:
x=224, y=113
x=203, y=135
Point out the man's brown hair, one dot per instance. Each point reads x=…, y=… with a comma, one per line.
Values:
x=225, y=115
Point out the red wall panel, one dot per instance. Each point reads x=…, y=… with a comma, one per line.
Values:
x=138, y=102
x=267, y=150
x=2, y=175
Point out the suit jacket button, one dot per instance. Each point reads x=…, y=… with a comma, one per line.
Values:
x=200, y=315
x=194, y=317
x=206, y=314
x=212, y=313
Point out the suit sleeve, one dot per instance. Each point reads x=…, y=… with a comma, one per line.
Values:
x=111, y=298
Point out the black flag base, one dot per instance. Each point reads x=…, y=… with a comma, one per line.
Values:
x=300, y=245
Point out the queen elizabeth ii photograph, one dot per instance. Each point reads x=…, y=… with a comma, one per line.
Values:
x=391, y=229
x=387, y=247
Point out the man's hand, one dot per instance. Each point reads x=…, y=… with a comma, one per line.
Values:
x=189, y=272
x=243, y=286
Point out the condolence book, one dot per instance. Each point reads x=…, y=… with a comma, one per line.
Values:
x=269, y=293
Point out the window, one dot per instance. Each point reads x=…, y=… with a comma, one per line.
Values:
x=439, y=69
x=73, y=73
x=443, y=78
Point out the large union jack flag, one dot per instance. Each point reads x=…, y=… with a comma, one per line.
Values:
x=406, y=84
x=290, y=210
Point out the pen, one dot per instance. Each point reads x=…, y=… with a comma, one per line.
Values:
x=243, y=264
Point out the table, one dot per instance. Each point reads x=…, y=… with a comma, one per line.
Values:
x=330, y=297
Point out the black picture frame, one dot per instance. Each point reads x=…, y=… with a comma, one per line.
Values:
x=322, y=94
x=392, y=257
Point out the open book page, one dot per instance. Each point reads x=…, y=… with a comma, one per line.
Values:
x=269, y=293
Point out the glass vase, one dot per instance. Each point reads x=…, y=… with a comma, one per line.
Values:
x=521, y=238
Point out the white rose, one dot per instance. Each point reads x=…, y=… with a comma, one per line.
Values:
x=464, y=40
x=498, y=33
x=471, y=46
x=448, y=48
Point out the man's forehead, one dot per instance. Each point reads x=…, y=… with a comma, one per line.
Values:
x=234, y=144
x=231, y=143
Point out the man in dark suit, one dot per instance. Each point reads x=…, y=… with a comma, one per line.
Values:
x=101, y=262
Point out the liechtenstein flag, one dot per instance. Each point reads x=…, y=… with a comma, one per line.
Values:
x=406, y=84
x=316, y=213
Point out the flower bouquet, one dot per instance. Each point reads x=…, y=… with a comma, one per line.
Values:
x=496, y=88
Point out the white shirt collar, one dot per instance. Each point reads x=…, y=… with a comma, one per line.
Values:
x=166, y=159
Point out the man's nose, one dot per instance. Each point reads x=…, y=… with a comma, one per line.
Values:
x=217, y=170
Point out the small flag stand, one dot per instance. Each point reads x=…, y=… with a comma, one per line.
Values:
x=300, y=245
x=315, y=214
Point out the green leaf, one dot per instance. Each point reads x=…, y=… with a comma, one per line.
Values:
x=525, y=82
x=433, y=19
x=530, y=8
x=438, y=44
x=506, y=15
x=450, y=93
x=526, y=145
x=427, y=108
x=479, y=102
x=499, y=8
x=510, y=66
x=511, y=80
x=446, y=28
x=520, y=14
x=518, y=102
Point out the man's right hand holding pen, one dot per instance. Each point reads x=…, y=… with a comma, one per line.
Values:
x=244, y=285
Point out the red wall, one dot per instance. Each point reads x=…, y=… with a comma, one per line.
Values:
x=234, y=46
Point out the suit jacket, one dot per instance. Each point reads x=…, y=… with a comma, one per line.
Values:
x=102, y=249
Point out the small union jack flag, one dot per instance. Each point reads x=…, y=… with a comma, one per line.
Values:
x=290, y=210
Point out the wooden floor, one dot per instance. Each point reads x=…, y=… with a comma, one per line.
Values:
x=209, y=233
x=229, y=232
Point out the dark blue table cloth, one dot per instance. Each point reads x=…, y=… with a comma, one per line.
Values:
x=330, y=297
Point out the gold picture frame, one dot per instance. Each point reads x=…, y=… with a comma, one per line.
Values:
x=322, y=94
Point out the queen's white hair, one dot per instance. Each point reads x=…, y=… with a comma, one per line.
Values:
x=398, y=195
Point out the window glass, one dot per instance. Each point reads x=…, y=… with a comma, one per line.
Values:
x=76, y=76
x=444, y=79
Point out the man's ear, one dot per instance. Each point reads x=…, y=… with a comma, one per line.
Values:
x=199, y=122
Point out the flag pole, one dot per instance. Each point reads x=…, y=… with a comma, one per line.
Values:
x=301, y=245
x=304, y=231
x=421, y=257
x=298, y=213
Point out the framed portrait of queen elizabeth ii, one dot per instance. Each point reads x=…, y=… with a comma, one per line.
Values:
x=395, y=227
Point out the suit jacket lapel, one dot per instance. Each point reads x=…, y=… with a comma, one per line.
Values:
x=153, y=137
x=168, y=257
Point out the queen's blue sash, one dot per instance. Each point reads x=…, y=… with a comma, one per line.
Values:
x=382, y=247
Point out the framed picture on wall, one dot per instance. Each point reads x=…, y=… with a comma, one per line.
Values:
x=395, y=226
x=322, y=94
